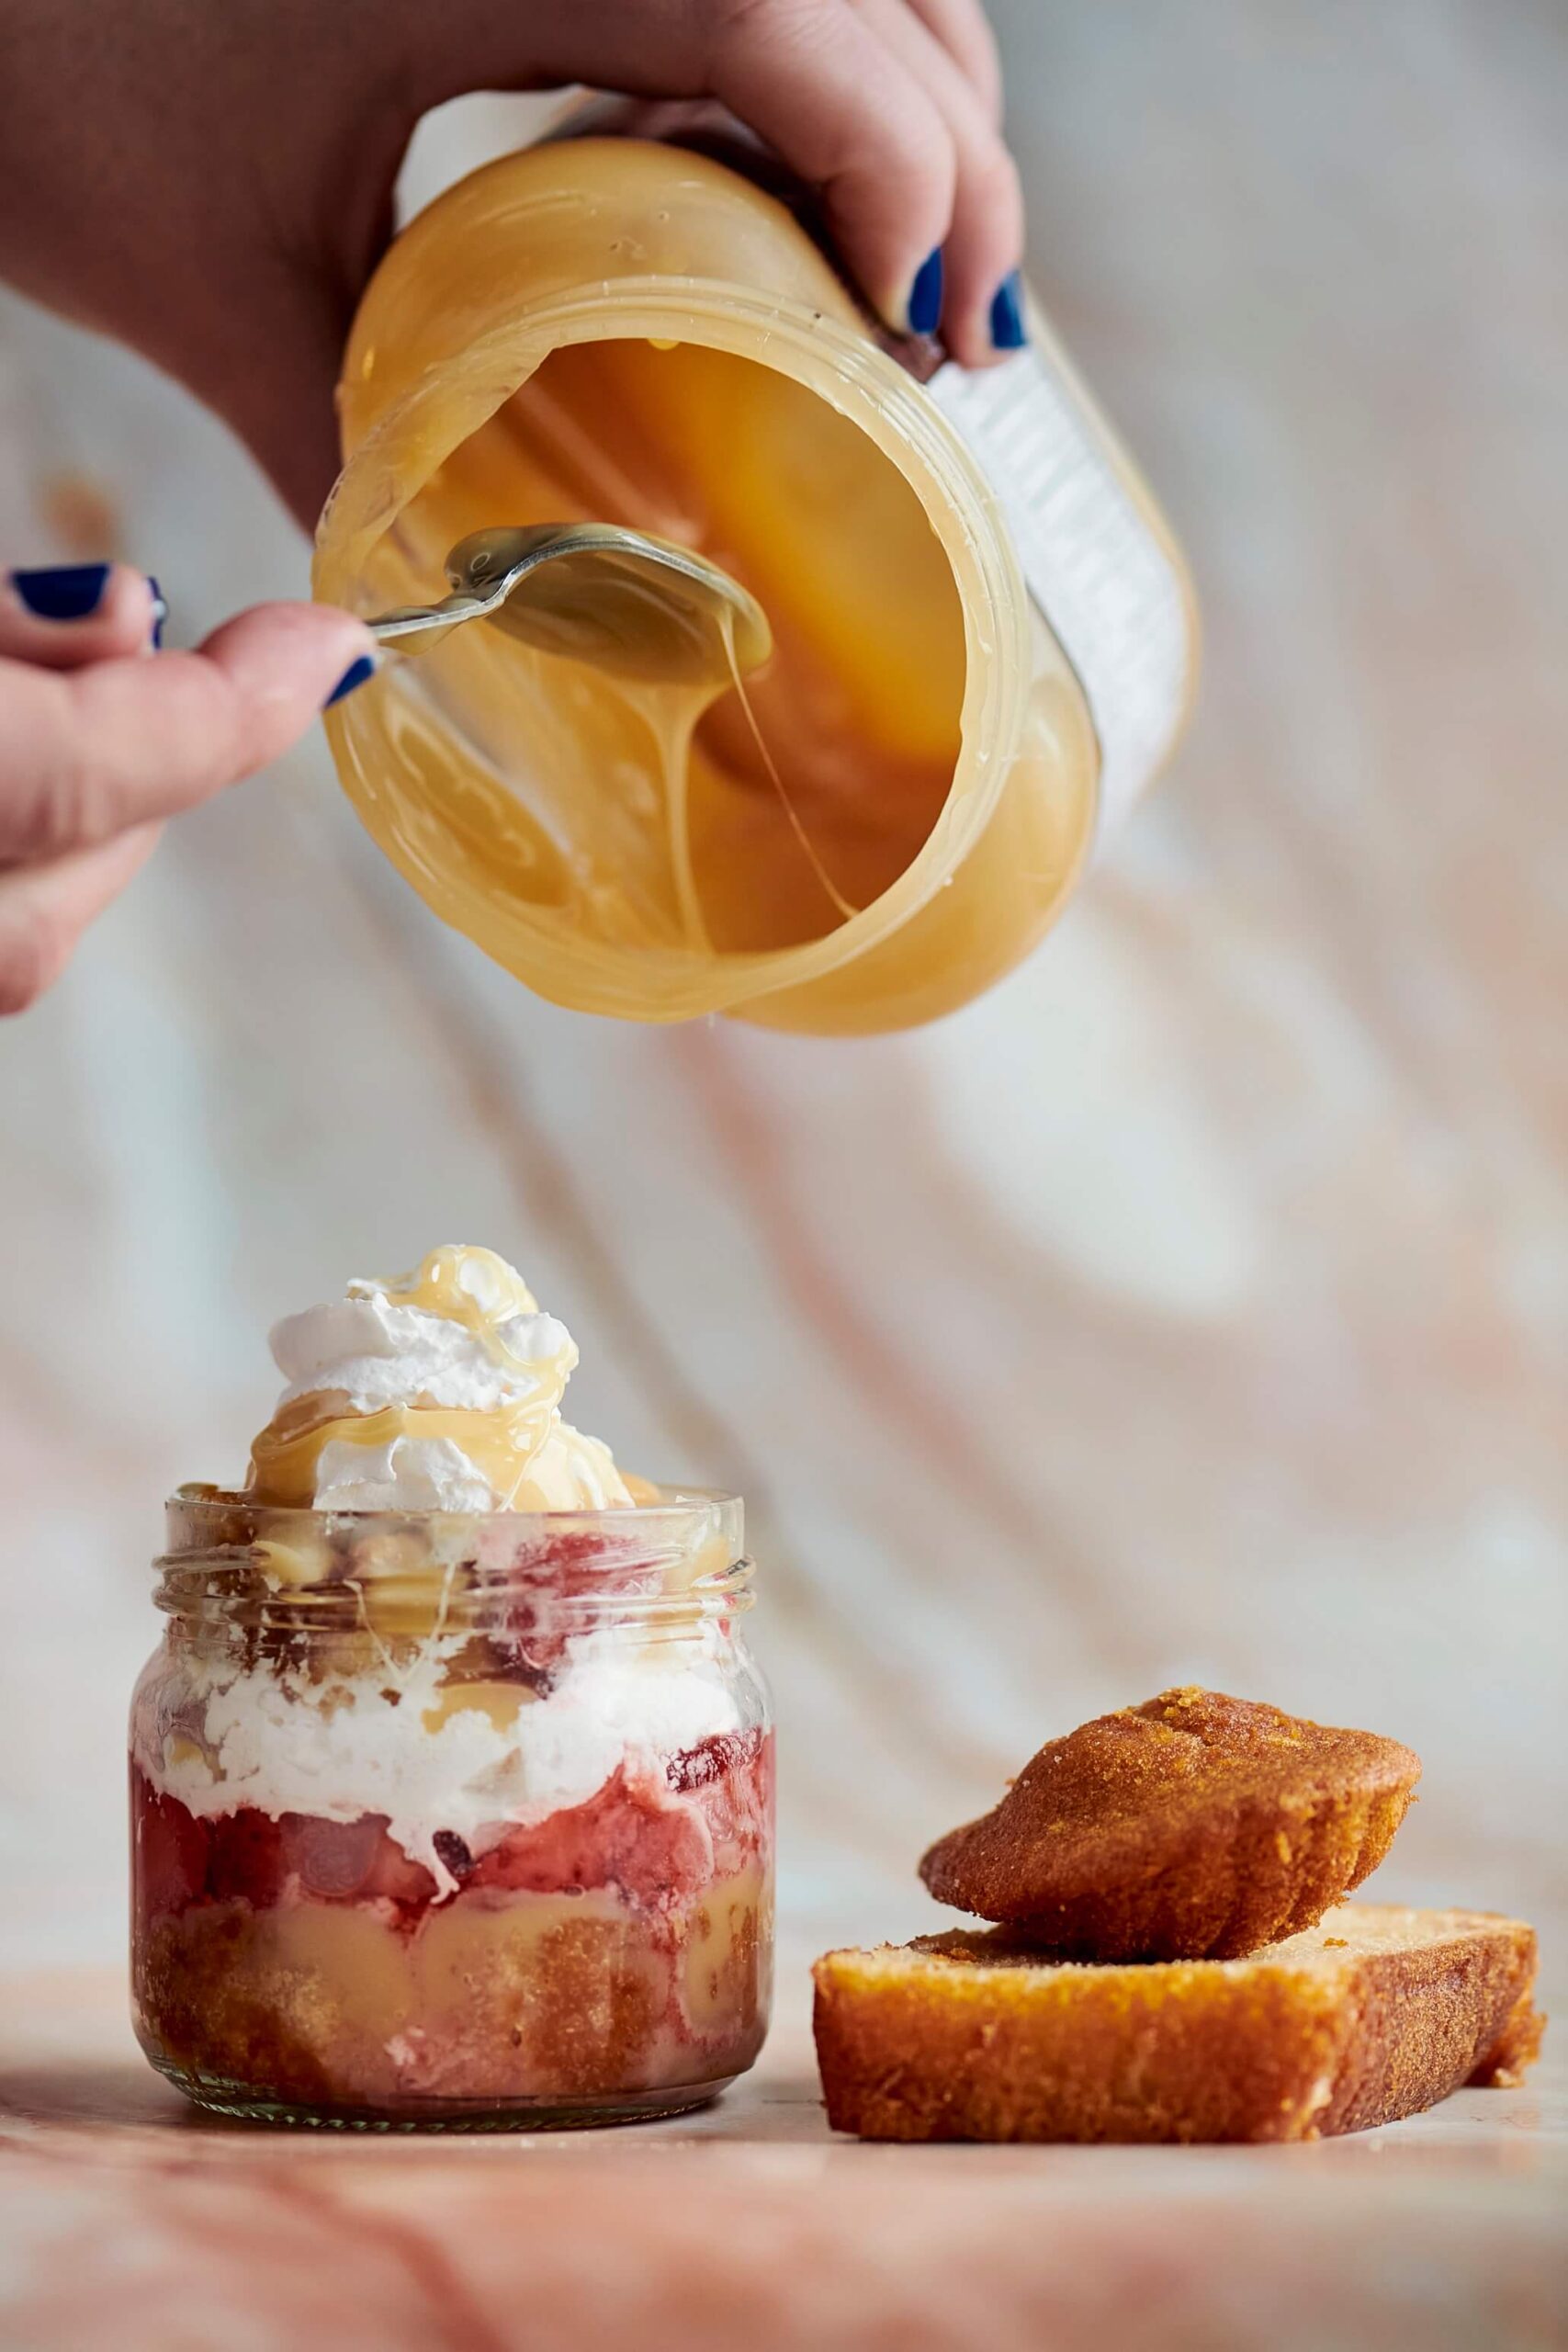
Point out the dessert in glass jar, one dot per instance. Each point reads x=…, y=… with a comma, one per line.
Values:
x=452, y=1778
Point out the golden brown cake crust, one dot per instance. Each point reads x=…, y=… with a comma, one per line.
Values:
x=1374, y=2014
x=1193, y=1827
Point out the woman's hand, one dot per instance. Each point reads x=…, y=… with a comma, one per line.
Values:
x=99, y=743
x=213, y=182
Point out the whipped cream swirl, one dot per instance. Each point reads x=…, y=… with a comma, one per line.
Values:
x=439, y=1390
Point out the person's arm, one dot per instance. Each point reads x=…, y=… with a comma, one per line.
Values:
x=213, y=185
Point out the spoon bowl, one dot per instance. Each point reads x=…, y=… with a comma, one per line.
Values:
x=620, y=600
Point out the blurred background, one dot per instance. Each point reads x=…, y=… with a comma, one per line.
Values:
x=1240, y=1212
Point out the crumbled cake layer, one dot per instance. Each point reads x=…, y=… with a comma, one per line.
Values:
x=496, y=1997
x=1193, y=1827
x=1373, y=2014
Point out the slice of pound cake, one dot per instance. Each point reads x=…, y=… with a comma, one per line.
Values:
x=1372, y=2013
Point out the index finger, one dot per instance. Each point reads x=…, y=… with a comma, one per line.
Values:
x=806, y=76
x=125, y=617
x=964, y=31
x=844, y=112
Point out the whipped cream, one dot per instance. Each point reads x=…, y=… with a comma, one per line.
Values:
x=438, y=1390
x=268, y=1740
x=407, y=1473
x=377, y=1352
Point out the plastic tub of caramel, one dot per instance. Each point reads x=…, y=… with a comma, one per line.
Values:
x=983, y=636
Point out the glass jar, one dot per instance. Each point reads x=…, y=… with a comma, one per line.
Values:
x=984, y=636
x=451, y=1820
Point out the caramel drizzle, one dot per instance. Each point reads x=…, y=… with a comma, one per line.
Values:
x=502, y=1443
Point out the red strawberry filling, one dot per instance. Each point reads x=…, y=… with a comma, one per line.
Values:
x=169, y=1852
x=333, y=1858
x=628, y=1836
x=654, y=1841
x=246, y=1858
x=549, y=1577
x=249, y=1855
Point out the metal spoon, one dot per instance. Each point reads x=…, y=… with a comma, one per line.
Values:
x=639, y=607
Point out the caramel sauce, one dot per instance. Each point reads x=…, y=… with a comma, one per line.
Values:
x=708, y=811
x=479, y=1291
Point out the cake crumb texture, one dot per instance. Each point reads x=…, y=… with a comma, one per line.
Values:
x=1374, y=2014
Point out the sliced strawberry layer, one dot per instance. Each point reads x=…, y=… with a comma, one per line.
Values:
x=246, y=1858
x=729, y=1776
x=656, y=1842
x=632, y=1835
x=629, y=1836
x=169, y=1849
x=334, y=1858
x=712, y=1759
x=248, y=1855
x=547, y=1574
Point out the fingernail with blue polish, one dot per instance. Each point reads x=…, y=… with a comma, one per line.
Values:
x=925, y=296
x=1008, y=332
x=356, y=675
x=160, y=612
x=67, y=591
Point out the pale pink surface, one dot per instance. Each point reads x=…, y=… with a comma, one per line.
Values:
x=129, y=2225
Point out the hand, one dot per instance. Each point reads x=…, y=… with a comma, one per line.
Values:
x=213, y=182
x=99, y=742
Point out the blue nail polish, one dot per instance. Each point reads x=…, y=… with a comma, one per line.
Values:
x=925, y=296
x=356, y=675
x=68, y=591
x=1007, y=330
x=160, y=612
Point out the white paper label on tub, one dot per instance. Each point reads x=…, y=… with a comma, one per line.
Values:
x=1112, y=592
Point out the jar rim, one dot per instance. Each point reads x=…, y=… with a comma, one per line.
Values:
x=199, y=1498
x=224, y=1550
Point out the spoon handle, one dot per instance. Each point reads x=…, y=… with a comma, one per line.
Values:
x=406, y=622
x=403, y=626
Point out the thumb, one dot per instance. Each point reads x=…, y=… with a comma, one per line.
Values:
x=88, y=753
